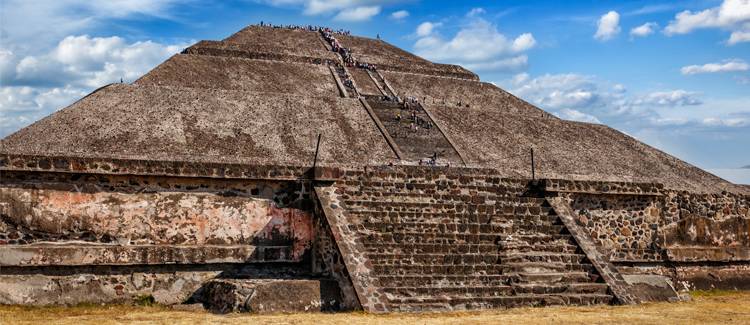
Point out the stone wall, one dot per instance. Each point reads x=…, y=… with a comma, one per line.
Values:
x=43, y=207
x=69, y=238
x=624, y=227
x=634, y=222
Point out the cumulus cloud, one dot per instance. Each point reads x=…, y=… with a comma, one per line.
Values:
x=588, y=99
x=477, y=45
x=732, y=65
x=643, y=30
x=574, y=115
x=36, y=85
x=401, y=14
x=22, y=105
x=509, y=64
x=344, y=10
x=475, y=12
x=426, y=28
x=678, y=121
x=26, y=24
x=358, y=13
x=727, y=122
x=670, y=98
x=608, y=26
x=739, y=37
x=732, y=15
x=561, y=91
x=89, y=62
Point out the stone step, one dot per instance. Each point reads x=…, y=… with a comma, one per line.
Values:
x=453, y=258
x=429, y=303
x=486, y=264
x=419, y=191
x=421, y=280
x=514, y=241
x=553, y=277
x=464, y=217
x=431, y=180
x=353, y=187
x=354, y=205
x=572, y=288
x=478, y=248
x=421, y=248
x=481, y=214
x=465, y=228
x=386, y=189
x=534, y=256
x=545, y=267
x=463, y=195
x=451, y=291
x=473, y=290
x=481, y=269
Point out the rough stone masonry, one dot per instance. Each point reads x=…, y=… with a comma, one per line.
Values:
x=195, y=185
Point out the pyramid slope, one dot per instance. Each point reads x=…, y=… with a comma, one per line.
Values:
x=281, y=40
x=435, y=90
x=568, y=150
x=231, y=73
x=197, y=125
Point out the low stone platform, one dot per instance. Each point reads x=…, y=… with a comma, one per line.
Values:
x=270, y=296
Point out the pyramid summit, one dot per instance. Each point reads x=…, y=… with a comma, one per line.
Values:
x=355, y=175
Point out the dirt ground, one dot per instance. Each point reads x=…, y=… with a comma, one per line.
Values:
x=705, y=308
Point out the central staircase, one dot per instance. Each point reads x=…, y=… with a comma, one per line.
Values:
x=418, y=137
x=456, y=242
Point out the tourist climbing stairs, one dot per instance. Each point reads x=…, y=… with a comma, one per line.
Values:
x=346, y=80
x=414, y=132
x=458, y=242
x=382, y=84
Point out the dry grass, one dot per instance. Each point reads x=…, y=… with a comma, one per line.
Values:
x=706, y=308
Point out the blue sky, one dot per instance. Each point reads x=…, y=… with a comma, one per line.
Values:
x=673, y=74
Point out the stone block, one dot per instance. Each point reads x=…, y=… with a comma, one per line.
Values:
x=270, y=296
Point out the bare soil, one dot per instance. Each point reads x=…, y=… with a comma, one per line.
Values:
x=705, y=308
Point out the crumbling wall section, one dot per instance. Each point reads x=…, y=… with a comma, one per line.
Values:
x=136, y=210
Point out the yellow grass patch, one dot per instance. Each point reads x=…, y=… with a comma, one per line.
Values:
x=705, y=308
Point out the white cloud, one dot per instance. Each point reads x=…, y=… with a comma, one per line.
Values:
x=608, y=26
x=523, y=42
x=33, y=25
x=676, y=121
x=358, y=13
x=478, y=45
x=345, y=10
x=426, y=28
x=739, y=37
x=22, y=105
x=509, y=64
x=726, y=122
x=34, y=86
x=588, y=99
x=732, y=65
x=670, y=98
x=475, y=12
x=401, y=14
x=733, y=15
x=561, y=91
x=574, y=115
x=83, y=61
x=643, y=30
